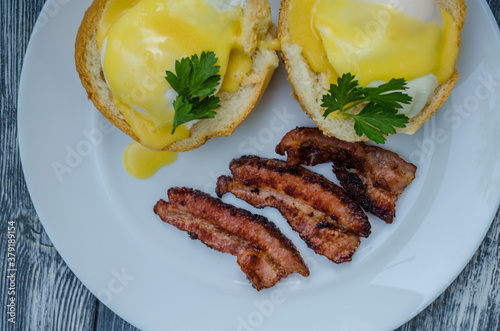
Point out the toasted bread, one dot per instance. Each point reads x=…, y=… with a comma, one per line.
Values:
x=309, y=86
x=235, y=106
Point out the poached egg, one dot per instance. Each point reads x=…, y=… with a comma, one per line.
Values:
x=377, y=40
x=141, y=39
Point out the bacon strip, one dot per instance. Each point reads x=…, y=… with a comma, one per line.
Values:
x=325, y=217
x=263, y=253
x=372, y=176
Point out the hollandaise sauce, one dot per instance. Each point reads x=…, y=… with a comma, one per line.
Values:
x=142, y=162
x=141, y=39
x=372, y=40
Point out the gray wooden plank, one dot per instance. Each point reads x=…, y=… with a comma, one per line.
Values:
x=50, y=296
x=107, y=320
x=47, y=294
x=495, y=8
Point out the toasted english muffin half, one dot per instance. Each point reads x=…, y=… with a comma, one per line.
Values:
x=310, y=86
x=235, y=106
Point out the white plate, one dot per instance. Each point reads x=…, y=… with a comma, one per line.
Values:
x=102, y=223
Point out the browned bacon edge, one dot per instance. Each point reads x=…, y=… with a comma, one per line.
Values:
x=325, y=217
x=372, y=176
x=263, y=253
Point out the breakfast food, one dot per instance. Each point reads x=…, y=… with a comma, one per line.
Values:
x=372, y=176
x=325, y=217
x=214, y=50
x=376, y=42
x=264, y=254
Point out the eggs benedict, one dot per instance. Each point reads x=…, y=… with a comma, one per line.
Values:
x=375, y=41
x=125, y=47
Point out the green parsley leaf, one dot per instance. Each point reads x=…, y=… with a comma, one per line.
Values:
x=376, y=121
x=344, y=93
x=183, y=111
x=389, y=94
x=187, y=110
x=379, y=116
x=195, y=80
x=204, y=78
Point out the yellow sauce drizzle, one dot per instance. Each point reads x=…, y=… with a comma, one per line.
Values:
x=142, y=162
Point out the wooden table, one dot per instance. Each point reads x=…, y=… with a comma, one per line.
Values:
x=50, y=297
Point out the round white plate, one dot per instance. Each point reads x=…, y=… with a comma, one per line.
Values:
x=101, y=219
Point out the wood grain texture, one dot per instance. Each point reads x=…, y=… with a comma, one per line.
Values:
x=50, y=297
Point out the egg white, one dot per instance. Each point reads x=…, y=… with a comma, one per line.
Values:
x=426, y=10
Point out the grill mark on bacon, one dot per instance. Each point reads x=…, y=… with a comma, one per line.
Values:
x=263, y=253
x=325, y=217
x=372, y=176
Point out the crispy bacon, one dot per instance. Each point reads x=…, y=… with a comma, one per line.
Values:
x=325, y=217
x=372, y=176
x=263, y=253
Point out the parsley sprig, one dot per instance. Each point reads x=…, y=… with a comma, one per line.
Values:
x=379, y=116
x=195, y=80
